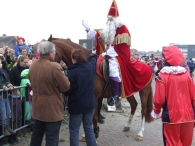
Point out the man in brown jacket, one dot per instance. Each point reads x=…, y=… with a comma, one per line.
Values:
x=48, y=81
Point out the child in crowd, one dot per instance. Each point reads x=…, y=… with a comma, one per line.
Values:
x=10, y=59
x=25, y=81
x=21, y=44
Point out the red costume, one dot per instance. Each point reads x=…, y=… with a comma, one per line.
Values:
x=174, y=93
x=99, y=44
x=134, y=74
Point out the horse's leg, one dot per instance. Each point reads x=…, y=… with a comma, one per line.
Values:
x=95, y=118
x=133, y=104
x=143, y=98
x=146, y=103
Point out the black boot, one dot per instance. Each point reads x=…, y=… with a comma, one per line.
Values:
x=11, y=141
x=4, y=142
x=117, y=103
x=101, y=116
x=15, y=138
x=11, y=131
x=100, y=120
x=110, y=101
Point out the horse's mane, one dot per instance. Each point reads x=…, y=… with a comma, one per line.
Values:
x=69, y=42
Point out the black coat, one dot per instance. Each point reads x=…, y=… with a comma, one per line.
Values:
x=4, y=81
x=81, y=93
x=14, y=75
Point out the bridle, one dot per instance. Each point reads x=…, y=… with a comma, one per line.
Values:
x=57, y=56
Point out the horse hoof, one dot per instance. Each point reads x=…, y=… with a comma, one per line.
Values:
x=126, y=129
x=139, y=138
x=82, y=139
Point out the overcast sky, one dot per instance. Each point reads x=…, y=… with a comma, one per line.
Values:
x=152, y=23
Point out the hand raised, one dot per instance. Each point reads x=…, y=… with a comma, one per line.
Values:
x=85, y=24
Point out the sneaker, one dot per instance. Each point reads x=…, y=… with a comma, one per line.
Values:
x=82, y=139
x=111, y=108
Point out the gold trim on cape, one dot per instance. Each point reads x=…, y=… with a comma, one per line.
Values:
x=123, y=38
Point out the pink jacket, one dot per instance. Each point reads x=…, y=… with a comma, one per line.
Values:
x=175, y=94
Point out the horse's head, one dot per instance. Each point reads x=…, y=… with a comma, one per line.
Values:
x=59, y=54
x=50, y=38
x=64, y=48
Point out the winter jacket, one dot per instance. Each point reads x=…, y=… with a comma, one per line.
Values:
x=81, y=93
x=14, y=75
x=48, y=81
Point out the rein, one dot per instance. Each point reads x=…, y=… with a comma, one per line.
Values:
x=57, y=56
x=104, y=89
x=105, y=85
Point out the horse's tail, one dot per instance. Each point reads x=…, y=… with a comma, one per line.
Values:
x=148, y=117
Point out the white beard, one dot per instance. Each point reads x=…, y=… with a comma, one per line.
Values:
x=110, y=32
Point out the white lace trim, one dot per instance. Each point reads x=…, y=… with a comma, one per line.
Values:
x=173, y=70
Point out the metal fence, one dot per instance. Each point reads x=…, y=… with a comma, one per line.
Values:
x=15, y=110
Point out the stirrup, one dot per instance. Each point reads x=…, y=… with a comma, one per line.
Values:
x=111, y=108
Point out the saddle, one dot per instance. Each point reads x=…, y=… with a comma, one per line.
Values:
x=104, y=68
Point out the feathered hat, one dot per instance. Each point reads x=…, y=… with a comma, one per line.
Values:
x=113, y=10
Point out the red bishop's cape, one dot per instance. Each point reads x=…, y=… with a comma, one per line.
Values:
x=99, y=43
x=135, y=75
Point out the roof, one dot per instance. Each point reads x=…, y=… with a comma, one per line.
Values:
x=8, y=41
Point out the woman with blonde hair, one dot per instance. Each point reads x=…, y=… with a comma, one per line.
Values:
x=22, y=63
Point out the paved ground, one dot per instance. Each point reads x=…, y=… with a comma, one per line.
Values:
x=111, y=133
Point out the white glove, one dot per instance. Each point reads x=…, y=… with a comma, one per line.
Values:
x=155, y=116
x=155, y=68
x=85, y=24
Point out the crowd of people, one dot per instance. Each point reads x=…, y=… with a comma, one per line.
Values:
x=46, y=82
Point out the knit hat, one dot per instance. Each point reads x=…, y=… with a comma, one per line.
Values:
x=173, y=55
x=20, y=38
x=24, y=73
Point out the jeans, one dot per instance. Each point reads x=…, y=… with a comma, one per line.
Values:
x=74, y=126
x=51, y=130
x=5, y=111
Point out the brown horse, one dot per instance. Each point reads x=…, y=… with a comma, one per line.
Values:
x=64, y=47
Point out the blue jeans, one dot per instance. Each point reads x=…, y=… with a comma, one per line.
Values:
x=51, y=130
x=74, y=126
x=5, y=111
